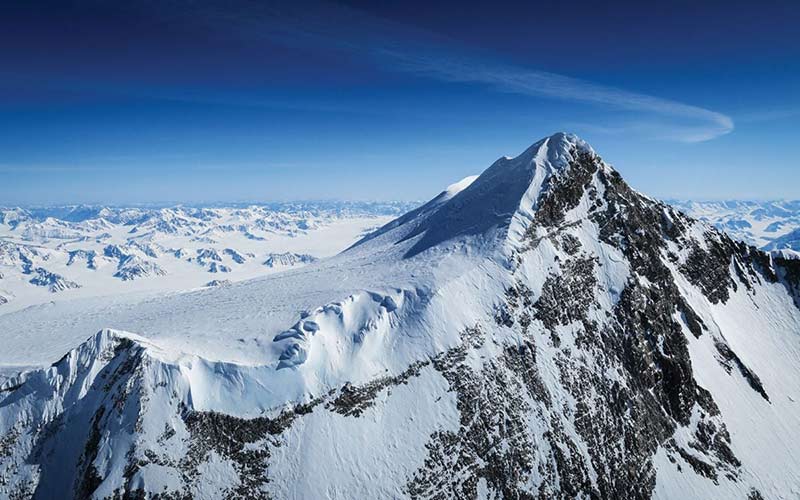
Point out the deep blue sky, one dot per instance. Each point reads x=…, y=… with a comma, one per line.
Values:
x=172, y=100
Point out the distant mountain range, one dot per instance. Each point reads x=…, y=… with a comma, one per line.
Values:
x=769, y=225
x=61, y=252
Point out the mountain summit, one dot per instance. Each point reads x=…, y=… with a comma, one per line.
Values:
x=505, y=196
x=541, y=331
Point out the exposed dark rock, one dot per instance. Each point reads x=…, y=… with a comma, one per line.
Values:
x=569, y=243
x=728, y=359
x=522, y=361
x=493, y=442
x=637, y=226
x=653, y=348
x=715, y=441
x=243, y=441
x=625, y=425
x=709, y=270
x=9, y=440
x=692, y=320
x=567, y=297
x=789, y=272
x=565, y=190
x=700, y=466
x=90, y=479
x=353, y=400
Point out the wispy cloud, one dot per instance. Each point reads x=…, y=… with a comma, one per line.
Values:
x=400, y=48
x=648, y=129
x=396, y=47
x=703, y=124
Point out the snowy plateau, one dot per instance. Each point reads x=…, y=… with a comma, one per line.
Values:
x=539, y=331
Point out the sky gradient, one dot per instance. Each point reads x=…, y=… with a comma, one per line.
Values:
x=189, y=101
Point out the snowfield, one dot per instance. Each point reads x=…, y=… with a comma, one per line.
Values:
x=539, y=331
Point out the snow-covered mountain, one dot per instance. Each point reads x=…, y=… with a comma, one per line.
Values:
x=60, y=253
x=765, y=224
x=540, y=331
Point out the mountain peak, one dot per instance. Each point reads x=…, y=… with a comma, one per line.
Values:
x=561, y=336
x=555, y=149
x=501, y=198
x=559, y=142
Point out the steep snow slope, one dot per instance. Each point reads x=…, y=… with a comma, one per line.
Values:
x=542, y=331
